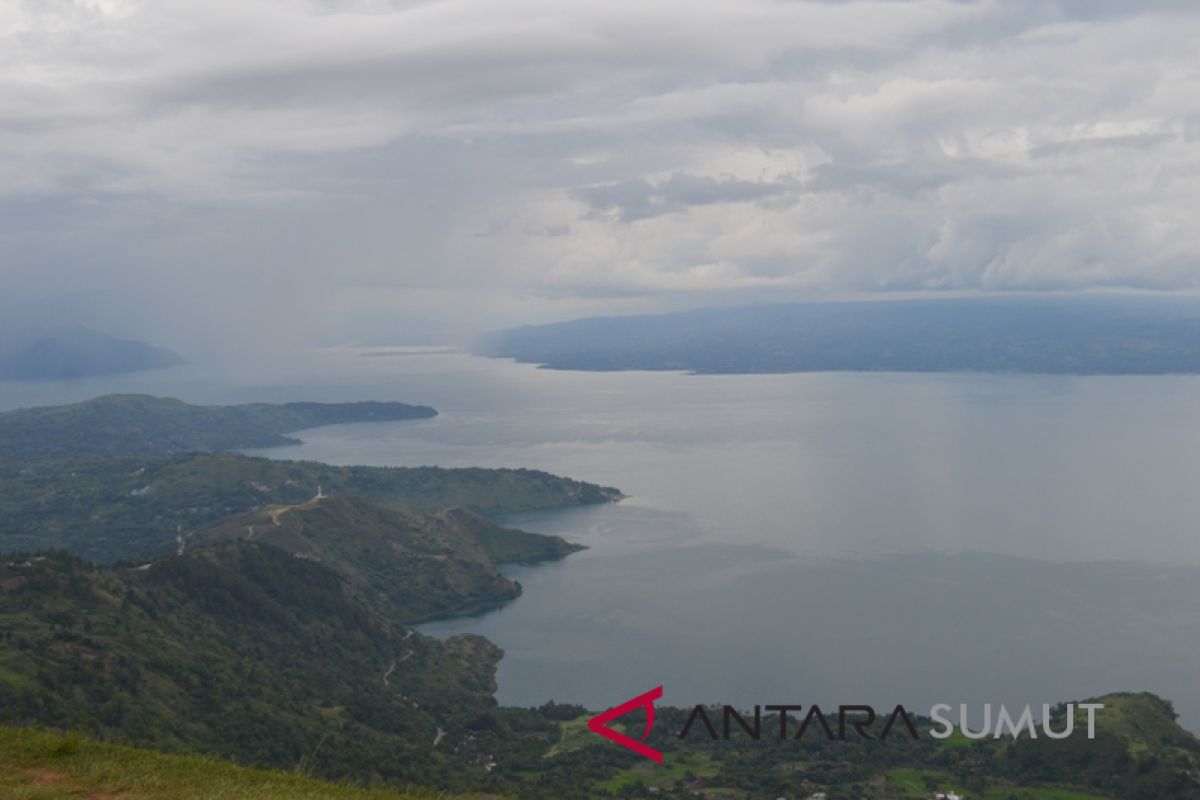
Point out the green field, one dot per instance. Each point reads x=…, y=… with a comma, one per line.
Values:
x=40, y=765
x=670, y=774
x=916, y=783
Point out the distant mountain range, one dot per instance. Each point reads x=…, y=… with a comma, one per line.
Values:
x=1088, y=335
x=76, y=352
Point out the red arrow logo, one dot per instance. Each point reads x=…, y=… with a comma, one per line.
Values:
x=599, y=724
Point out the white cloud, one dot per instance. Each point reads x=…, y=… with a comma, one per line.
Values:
x=621, y=148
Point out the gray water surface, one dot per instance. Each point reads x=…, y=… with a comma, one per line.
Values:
x=804, y=538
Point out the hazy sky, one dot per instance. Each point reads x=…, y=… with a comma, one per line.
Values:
x=207, y=171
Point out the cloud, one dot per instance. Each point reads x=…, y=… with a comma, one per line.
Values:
x=179, y=159
x=638, y=198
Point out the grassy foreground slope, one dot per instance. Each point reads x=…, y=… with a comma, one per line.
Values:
x=136, y=423
x=44, y=765
x=241, y=651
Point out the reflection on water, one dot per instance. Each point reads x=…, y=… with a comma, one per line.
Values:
x=838, y=537
x=749, y=623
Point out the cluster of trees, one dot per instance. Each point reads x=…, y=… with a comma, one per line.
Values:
x=110, y=508
x=241, y=651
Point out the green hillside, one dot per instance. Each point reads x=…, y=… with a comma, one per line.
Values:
x=241, y=651
x=406, y=566
x=133, y=506
x=134, y=423
x=45, y=765
x=1140, y=753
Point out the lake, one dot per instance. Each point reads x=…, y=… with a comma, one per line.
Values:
x=833, y=537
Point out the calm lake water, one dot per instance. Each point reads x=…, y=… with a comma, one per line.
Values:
x=875, y=538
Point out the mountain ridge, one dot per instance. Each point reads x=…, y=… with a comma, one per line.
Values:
x=73, y=351
x=1093, y=335
x=140, y=423
x=413, y=568
x=130, y=506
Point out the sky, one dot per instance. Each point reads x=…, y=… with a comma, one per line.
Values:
x=231, y=175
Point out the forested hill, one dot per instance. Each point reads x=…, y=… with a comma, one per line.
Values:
x=134, y=423
x=242, y=651
x=134, y=506
x=406, y=566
